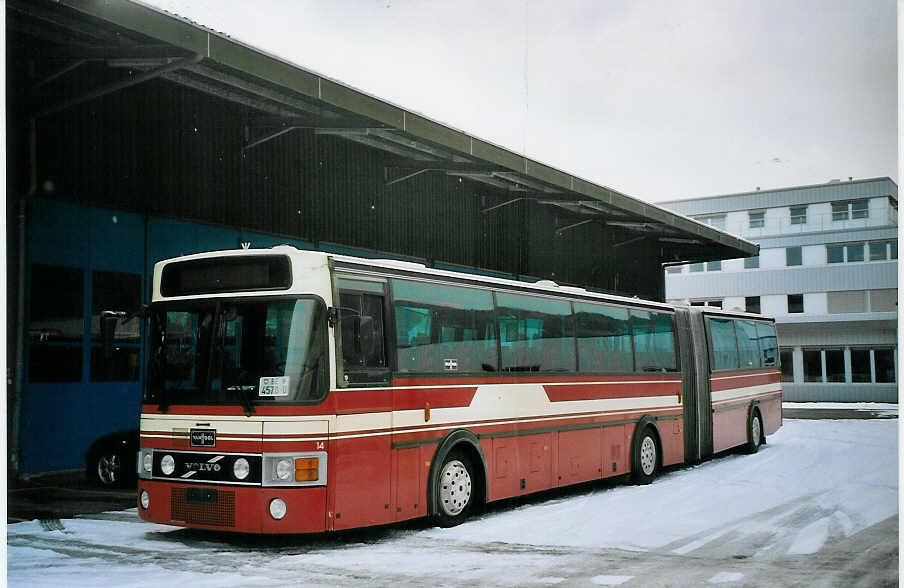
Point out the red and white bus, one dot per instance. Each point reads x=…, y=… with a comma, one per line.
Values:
x=295, y=391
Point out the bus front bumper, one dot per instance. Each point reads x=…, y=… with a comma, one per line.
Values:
x=230, y=508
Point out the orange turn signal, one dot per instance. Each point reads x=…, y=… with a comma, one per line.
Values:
x=307, y=469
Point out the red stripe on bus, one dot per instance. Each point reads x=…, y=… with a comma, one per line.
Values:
x=565, y=392
x=537, y=379
x=731, y=380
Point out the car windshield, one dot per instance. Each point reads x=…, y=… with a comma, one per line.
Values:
x=245, y=352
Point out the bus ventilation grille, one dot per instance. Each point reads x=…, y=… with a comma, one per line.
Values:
x=220, y=513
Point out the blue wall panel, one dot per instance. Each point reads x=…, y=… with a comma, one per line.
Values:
x=60, y=420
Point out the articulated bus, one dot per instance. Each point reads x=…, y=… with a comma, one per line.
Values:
x=295, y=391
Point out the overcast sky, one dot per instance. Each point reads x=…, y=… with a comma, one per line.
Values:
x=656, y=99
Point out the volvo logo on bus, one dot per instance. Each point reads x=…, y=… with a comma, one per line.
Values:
x=203, y=438
x=194, y=466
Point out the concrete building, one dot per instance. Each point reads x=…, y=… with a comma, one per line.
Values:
x=827, y=271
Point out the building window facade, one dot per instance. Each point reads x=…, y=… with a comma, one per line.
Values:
x=794, y=256
x=883, y=250
x=716, y=221
x=798, y=215
x=847, y=253
x=795, y=303
x=787, y=359
x=851, y=209
x=756, y=219
x=868, y=365
x=752, y=262
x=752, y=304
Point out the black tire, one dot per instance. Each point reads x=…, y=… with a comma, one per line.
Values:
x=645, y=457
x=454, y=489
x=754, y=432
x=107, y=470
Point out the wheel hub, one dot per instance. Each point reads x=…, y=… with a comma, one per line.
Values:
x=108, y=468
x=455, y=487
x=648, y=456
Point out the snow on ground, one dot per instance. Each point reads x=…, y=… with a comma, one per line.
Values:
x=815, y=483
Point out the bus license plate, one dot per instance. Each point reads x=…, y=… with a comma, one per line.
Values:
x=274, y=386
x=200, y=496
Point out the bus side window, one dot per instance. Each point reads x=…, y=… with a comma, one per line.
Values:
x=363, y=342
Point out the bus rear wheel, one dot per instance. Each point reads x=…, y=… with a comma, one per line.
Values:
x=646, y=457
x=754, y=432
x=454, y=490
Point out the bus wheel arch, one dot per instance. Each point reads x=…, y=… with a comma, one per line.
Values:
x=646, y=438
x=458, y=446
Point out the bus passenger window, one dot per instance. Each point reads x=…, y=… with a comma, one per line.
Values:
x=536, y=334
x=604, y=338
x=654, y=341
x=765, y=333
x=442, y=328
x=361, y=324
x=748, y=348
x=724, y=344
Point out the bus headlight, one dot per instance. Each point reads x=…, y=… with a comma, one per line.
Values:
x=241, y=468
x=295, y=469
x=145, y=499
x=167, y=465
x=147, y=462
x=284, y=468
x=277, y=508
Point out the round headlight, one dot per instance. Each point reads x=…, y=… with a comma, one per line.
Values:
x=285, y=468
x=145, y=499
x=148, y=461
x=241, y=468
x=167, y=464
x=277, y=508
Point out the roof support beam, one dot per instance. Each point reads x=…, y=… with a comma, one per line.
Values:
x=411, y=175
x=116, y=86
x=377, y=143
x=261, y=91
x=229, y=95
x=486, y=210
x=268, y=137
x=629, y=241
x=58, y=74
x=561, y=230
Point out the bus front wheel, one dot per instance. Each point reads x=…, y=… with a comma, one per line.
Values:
x=454, y=490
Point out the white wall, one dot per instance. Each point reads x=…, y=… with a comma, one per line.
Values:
x=733, y=302
x=816, y=303
x=814, y=254
x=772, y=258
x=774, y=304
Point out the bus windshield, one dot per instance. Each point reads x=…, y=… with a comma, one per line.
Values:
x=238, y=351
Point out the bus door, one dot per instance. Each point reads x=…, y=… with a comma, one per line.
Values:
x=360, y=451
x=695, y=388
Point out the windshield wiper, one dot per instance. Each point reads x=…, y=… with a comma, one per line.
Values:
x=244, y=397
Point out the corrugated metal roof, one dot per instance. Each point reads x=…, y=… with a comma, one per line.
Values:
x=284, y=86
